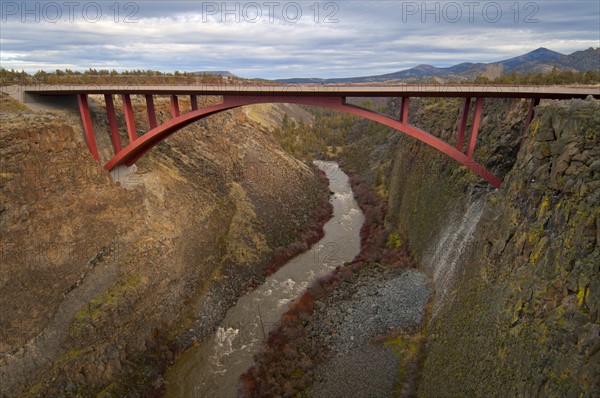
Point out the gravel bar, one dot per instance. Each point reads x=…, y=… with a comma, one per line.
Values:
x=379, y=301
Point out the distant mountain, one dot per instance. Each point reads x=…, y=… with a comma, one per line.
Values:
x=582, y=60
x=539, y=60
x=541, y=55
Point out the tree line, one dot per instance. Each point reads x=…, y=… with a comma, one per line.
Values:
x=105, y=76
x=555, y=77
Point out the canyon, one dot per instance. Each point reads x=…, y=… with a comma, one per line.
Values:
x=106, y=283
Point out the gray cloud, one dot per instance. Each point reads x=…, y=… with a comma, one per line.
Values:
x=287, y=38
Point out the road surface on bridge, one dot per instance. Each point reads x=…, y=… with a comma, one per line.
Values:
x=400, y=90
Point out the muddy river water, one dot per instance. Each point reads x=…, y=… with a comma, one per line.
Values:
x=213, y=367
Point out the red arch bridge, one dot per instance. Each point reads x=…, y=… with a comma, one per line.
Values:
x=328, y=96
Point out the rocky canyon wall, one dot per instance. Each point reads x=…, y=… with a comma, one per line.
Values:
x=516, y=270
x=104, y=282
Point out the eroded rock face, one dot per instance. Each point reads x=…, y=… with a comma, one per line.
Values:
x=102, y=284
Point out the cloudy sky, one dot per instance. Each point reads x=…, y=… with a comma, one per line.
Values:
x=277, y=39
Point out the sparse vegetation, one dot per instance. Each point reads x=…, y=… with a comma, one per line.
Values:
x=322, y=139
x=552, y=78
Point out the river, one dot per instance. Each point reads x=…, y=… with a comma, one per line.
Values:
x=213, y=367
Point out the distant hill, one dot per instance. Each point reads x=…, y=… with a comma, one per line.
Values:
x=223, y=73
x=540, y=60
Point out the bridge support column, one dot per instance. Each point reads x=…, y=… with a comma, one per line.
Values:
x=112, y=123
x=150, y=110
x=463, y=124
x=530, y=113
x=129, y=120
x=404, y=110
x=194, y=101
x=174, y=106
x=88, y=129
x=475, y=127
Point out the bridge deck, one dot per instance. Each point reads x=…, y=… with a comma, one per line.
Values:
x=407, y=90
x=328, y=96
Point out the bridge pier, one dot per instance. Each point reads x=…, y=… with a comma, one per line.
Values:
x=463, y=124
x=88, y=129
x=475, y=127
x=150, y=110
x=112, y=123
x=174, y=106
x=129, y=120
x=194, y=101
x=404, y=110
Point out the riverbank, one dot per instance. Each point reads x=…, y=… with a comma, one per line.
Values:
x=346, y=335
x=213, y=366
